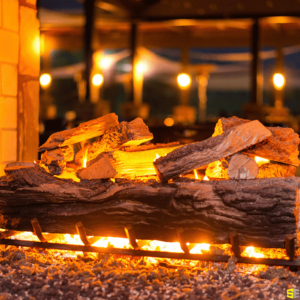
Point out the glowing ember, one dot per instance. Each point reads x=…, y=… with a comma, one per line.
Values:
x=251, y=252
x=206, y=178
x=260, y=160
x=196, y=174
x=199, y=248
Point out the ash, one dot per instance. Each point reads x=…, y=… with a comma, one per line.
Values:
x=37, y=274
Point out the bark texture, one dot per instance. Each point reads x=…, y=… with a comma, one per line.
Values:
x=81, y=133
x=282, y=146
x=261, y=211
x=193, y=156
x=56, y=160
x=124, y=134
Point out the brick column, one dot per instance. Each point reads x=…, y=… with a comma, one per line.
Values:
x=19, y=86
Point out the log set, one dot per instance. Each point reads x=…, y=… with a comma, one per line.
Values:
x=282, y=146
x=196, y=155
x=261, y=211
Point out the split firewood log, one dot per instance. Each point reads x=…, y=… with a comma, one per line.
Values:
x=282, y=146
x=133, y=133
x=56, y=160
x=261, y=211
x=242, y=166
x=193, y=156
x=100, y=168
x=81, y=133
x=276, y=170
x=124, y=164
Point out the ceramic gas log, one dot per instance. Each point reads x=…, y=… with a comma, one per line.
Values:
x=261, y=211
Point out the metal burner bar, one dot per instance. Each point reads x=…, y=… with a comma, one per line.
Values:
x=158, y=254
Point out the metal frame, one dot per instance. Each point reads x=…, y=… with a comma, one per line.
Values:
x=234, y=241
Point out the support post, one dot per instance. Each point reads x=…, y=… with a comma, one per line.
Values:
x=202, y=80
x=89, y=7
x=129, y=231
x=235, y=244
x=256, y=76
x=290, y=246
x=182, y=241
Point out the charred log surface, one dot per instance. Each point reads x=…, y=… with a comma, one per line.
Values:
x=133, y=133
x=81, y=133
x=195, y=155
x=282, y=146
x=261, y=211
x=56, y=160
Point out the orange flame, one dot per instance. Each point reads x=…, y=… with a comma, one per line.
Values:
x=157, y=156
x=85, y=158
x=260, y=160
x=206, y=178
x=250, y=252
x=196, y=174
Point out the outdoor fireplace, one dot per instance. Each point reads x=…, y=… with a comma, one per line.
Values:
x=119, y=188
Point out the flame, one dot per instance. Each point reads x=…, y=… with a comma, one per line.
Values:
x=251, y=252
x=34, y=161
x=206, y=178
x=85, y=158
x=196, y=174
x=157, y=157
x=260, y=160
x=199, y=248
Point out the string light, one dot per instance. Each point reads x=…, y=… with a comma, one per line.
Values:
x=97, y=80
x=278, y=80
x=184, y=80
x=45, y=80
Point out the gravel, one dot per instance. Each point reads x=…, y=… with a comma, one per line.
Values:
x=38, y=274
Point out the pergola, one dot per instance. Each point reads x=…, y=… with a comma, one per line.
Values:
x=178, y=24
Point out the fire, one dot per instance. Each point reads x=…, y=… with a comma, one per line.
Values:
x=196, y=174
x=206, y=178
x=85, y=158
x=157, y=157
x=260, y=160
x=251, y=252
x=199, y=248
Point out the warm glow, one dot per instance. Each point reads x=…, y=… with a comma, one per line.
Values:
x=97, y=79
x=184, y=80
x=279, y=81
x=141, y=67
x=169, y=122
x=105, y=63
x=37, y=45
x=196, y=174
x=45, y=80
x=260, y=160
x=85, y=158
x=206, y=178
x=156, y=157
x=199, y=248
x=250, y=252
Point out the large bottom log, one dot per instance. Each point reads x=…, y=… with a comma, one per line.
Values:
x=261, y=211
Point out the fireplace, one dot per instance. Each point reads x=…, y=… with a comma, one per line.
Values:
x=19, y=85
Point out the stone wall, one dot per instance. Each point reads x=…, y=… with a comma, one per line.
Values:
x=19, y=81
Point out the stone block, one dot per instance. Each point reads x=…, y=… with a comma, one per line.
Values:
x=8, y=112
x=9, y=50
x=11, y=15
x=31, y=120
x=29, y=38
x=9, y=145
x=9, y=79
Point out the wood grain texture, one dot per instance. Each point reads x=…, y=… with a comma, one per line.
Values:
x=135, y=132
x=81, y=133
x=193, y=156
x=282, y=146
x=242, y=167
x=55, y=160
x=261, y=211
